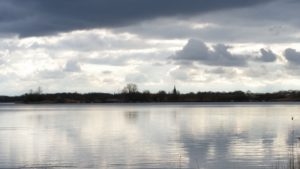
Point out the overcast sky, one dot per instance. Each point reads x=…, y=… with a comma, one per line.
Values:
x=101, y=45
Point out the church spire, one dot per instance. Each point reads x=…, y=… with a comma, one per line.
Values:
x=174, y=90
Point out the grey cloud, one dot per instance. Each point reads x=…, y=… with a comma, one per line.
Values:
x=107, y=60
x=258, y=72
x=180, y=74
x=167, y=28
x=36, y=17
x=72, y=66
x=93, y=41
x=124, y=57
x=10, y=11
x=51, y=74
x=225, y=58
x=292, y=56
x=267, y=56
x=136, y=78
x=2, y=61
x=265, y=72
x=223, y=72
x=218, y=31
x=260, y=24
x=193, y=50
x=109, y=80
x=106, y=72
x=192, y=74
x=198, y=51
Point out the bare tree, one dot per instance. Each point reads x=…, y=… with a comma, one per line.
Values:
x=130, y=88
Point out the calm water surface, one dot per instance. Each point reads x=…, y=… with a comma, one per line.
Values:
x=199, y=136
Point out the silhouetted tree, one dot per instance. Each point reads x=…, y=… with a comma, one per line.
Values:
x=130, y=93
x=146, y=96
x=130, y=88
x=161, y=96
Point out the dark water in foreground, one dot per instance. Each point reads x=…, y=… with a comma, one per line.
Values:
x=215, y=136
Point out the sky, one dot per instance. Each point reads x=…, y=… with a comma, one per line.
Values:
x=102, y=45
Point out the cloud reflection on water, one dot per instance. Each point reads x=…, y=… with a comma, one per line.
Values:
x=145, y=136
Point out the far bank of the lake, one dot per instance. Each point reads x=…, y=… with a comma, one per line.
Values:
x=144, y=97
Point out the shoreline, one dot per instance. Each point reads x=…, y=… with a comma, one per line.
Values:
x=164, y=103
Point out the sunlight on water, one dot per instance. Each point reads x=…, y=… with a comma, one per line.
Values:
x=147, y=135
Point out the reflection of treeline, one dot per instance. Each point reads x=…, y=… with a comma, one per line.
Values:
x=130, y=93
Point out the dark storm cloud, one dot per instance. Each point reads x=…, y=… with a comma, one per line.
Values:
x=260, y=24
x=40, y=17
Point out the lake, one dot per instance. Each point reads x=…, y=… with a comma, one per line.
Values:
x=156, y=136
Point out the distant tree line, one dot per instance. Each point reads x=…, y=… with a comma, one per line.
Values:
x=131, y=94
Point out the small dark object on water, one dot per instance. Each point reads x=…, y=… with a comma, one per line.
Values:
x=292, y=118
